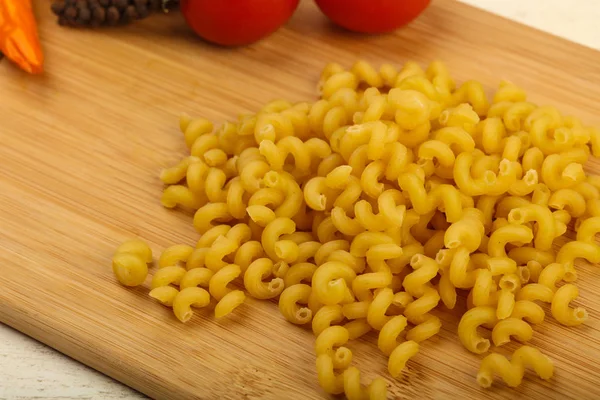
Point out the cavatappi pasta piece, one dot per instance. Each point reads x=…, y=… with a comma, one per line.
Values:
x=528, y=310
x=209, y=237
x=196, y=277
x=512, y=371
x=516, y=234
x=447, y=291
x=570, y=251
x=217, y=285
x=466, y=182
x=561, y=310
x=177, y=173
x=356, y=310
x=419, y=308
x=331, y=283
x=376, y=390
x=467, y=232
x=292, y=203
x=164, y=295
x=253, y=280
x=588, y=229
x=425, y=269
x=247, y=253
x=329, y=381
x=376, y=314
x=467, y=328
x=400, y=356
x=175, y=255
x=551, y=275
x=326, y=249
x=136, y=247
x=298, y=273
x=179, y=195
x=208, y=213
x=289, y=301
x=331, y=339
x=545, y=223
x=428, y=328
x=326, y=317
x=388, y=336
x=168, y=276
x=511, y=327
x=535, y=291
x=229, y=302
x=358, y=328
x=364, y=284
x=222, y=247
x=197, y=259
x=188, y=298
x=272, y=232
x=506, y=304
x=193, y=128
x=130, y=262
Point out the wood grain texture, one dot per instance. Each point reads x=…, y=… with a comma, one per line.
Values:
x=81, y=150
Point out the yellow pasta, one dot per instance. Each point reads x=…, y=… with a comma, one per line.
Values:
x=187, y=298
x=535, y=291
x=164, y=295
x=167, y=276
x=387, y=339
x=588, y=229
x=560, y=306
x=196, y=277
x=528, y=310
x=208, y=213
x=519, y=234
x=428, y=328
x=136, y=247
x=467, y=328
x=544, y=219
x=365, y=209
x=332, y=281
x=508, y=327
x=325, y=317
x=179, y=195
x=229, y=302
x=376, y=314
x=209, y=237
x=289, y=301
x=512, y=371
x=253, y=280
x=247, y=253
x=399, y=357
x=417, y=282
x=130, y=262
x=221, y=279
x=377, y=389
x=331, y=383
x=221, y=247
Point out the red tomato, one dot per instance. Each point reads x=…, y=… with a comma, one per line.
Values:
x=236, y=22
x=372, y=16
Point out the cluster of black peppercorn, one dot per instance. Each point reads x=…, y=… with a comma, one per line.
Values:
x=95, y=13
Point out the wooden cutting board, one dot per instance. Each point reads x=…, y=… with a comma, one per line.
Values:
x=81, y=148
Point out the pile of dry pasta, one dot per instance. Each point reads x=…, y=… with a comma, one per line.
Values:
x=369, y=208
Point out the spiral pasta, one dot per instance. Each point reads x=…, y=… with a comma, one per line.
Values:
x=512, y=371
x=365, y=209
x=130, y=262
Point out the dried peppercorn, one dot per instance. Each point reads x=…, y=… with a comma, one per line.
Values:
x=96, y=13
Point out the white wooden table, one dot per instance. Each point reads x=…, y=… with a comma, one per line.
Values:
x=30, y=370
